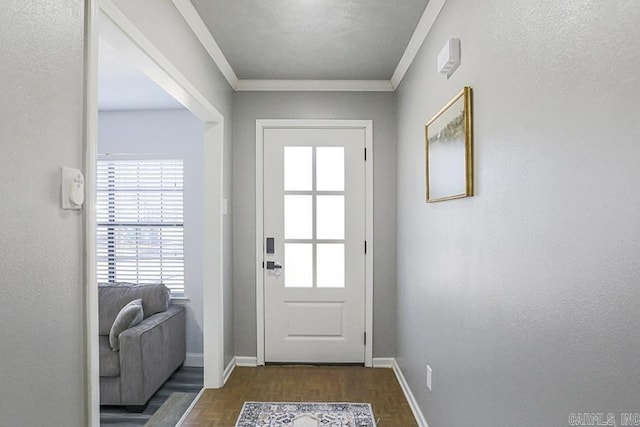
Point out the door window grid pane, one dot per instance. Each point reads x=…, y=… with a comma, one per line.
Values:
x=298, y=168
x=298, y=262
x=330, y=217
x=297, y=248
x=298, y=217
x=330, y=168
x=330, y=259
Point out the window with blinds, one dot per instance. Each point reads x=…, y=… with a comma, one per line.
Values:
x=140, y=222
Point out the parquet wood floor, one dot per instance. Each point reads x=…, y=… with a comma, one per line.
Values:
x=220, y=408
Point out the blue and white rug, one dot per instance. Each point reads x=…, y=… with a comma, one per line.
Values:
x=304, y=414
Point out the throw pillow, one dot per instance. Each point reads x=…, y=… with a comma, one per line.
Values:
x=129, y=316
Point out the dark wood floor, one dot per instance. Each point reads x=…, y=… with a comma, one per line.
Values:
x=220, y=408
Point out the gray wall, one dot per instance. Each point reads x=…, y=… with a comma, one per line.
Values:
x=170, y=33
x=42, y=379
x=524, y=299
x=180, y=134
x=379, y=107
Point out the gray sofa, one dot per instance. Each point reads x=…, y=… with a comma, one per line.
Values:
x=149, y=351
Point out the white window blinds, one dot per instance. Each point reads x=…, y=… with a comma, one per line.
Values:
x=140, y=222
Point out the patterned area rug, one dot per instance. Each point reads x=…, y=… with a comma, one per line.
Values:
x=303, y=414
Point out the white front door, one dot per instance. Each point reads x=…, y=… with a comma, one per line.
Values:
x=314, y=245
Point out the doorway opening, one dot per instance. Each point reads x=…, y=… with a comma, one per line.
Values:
x=106, y=24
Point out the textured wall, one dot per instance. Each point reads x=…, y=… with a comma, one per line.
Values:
x=524, y=299
x=42, y=355
x=171, y=34
x=177, y=133
x=379, y=107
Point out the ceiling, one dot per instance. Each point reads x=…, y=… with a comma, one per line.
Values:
x=122, y=86
x=285, y=40
x=312, y=39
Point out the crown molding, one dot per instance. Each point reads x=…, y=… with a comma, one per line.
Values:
x=427, y=20
x=315, y=85
x=199, y=28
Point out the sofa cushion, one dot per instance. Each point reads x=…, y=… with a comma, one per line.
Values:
x=109, y=359
x=113, y=296
x=130, y=315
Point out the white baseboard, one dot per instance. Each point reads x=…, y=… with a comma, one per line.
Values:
x=227, y=373
x=195, y=360
x=228, y=370
x=390, y=362
x=413, y=404
x=383, y=362
x=250, y=362
x=186, y=413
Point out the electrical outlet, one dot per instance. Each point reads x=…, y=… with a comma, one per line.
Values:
x=429, y=373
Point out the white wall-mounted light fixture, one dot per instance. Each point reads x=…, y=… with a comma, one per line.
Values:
x=449, y=57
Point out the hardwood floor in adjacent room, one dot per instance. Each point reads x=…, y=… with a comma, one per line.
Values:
x=185, y=380
x=221, y=407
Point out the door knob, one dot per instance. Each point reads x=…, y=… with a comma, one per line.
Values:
x=272, y=265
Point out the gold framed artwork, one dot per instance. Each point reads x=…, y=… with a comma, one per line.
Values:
x=449, y=150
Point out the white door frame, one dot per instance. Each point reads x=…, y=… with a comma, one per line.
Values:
x=367, y=125
x=105, y=19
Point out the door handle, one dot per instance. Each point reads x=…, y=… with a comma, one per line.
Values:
x=272, y=265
